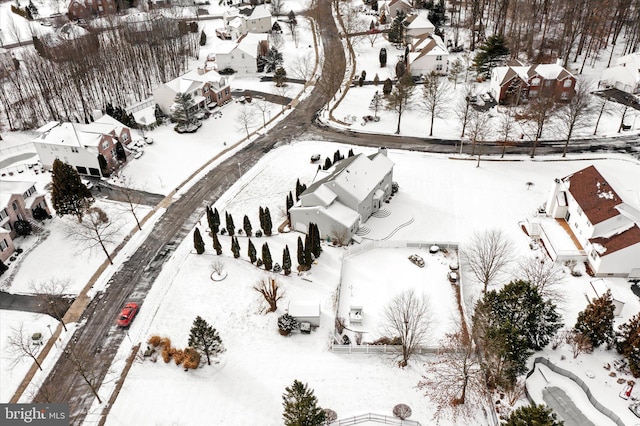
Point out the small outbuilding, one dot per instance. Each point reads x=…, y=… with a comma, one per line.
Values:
x=599, y=287
x=305, y=311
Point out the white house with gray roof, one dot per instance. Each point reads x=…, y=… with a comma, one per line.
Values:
x=347, y=196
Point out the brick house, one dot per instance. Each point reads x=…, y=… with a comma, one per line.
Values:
x=17, y=202
x=512, y=84
x=208, y=88
x=606, y=227
x=83, y=9
x=80, y=145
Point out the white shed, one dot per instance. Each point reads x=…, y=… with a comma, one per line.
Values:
x=599, y=287
x=305, y=311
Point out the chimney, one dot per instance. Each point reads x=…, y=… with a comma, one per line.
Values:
x=383, y=150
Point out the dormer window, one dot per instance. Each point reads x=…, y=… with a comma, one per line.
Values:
x=535, y=81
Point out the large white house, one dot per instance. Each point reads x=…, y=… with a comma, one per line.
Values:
x=625, y=75
x=260, y=19
x=205, y=88
x=81, y=145
x=243, y=56
x=428, y=54
x=347, y=196
x=607, y=227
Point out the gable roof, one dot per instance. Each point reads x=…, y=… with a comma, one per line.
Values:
x=549, y=71
x=260, y=11
x=619, y=241
x=427, y=45
x=9, y=188
x=249, y=43
x=418, y=21
x=594, y=195
x=76, y=134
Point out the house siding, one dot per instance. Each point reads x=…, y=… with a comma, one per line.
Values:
x=617, y=264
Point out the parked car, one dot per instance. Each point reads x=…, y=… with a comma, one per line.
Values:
x=315, y=157
x=417, y=260
x=452, y=276
x=87, y=183
x=138, y=154
x=148, y=140
x=127, y=314
x=486, y=97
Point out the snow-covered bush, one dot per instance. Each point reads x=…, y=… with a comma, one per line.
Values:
x=286, y=324
x=402, y=411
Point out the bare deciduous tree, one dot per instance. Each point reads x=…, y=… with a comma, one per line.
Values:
x=270, y=289
x=218, y=267
x=506, y=126
x=276, y=7
x=132, y=199
x=604, y=107
x=478, y=130
x=546, y=275
x=95, y=230
x=454, y=381
x=21, y=345
x=340, y=236
x=487, y=253
x=263, y=106
x=575, y=113
x=579, y=342
x=244, y=119
x=540, y=110
x=398, y=100
x=302, y=67
x=83, y=364
x=463, y=107
x=435, y=97
x=53, y=297
x=408, y=316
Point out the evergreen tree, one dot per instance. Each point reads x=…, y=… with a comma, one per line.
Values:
x=210, y=218
x=198, y=244
x=301, y=260
x=509, y=325
x=628, y=343
x=279, y=76
x=205, y=339
x=316, y=246
x=289, y=201
x=235, y=247
x=299, y=189
x=308, y=257
x=216, y=221
x=301, y=406
x=104, y=167
x=229, y=224
x=273, y=60
x=286, y=260
x=382, y=56
x=596, y=321
x=203, y=38
x=216, y=244
x=491, y=53
x=266, y=257
x=247, y=226
x=159, y=114
x=350, y=154
x=261, y=216
x=538, y=415
x=267, y=222
x=3, y=267
x=251, y=252
x=387, y=87
x=183, y=112
x=120, y=154
x=396, y=32
x=337, y=156
x=68, y=194
x=327, y=164
x=438, y=15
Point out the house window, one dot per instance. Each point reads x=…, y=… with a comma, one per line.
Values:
x=15, y=206
x=567, y=82
x=3, y=245
x=74, y=149
x=535, y=82
x=81, y=170
x=242, y=56
x=533, y=93
x=438, y=57
x=439, y=67
x=105, y=145
x=226, y=91
x=564, y=96
x=547, y=83
x=3, y=214
x=125, y=136
x=594, y=255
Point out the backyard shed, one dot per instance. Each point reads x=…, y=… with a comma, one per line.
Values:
x=599, y=287
x=305, y=311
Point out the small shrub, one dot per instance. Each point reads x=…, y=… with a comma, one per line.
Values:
x=402, y=411
x=178, y=356
x=286, y=324
x=277, y=268
x=155, y=340
x=223, y=231
x=259, y=262
x=330, y=416
x=22, y=227
x=388, y=341
x=240, y=231
x=19, y=250
x=258, y=233
x=346, y=340
x=192, y=359
x=166, y=354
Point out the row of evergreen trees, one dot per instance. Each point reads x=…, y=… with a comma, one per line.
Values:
x=213, y=219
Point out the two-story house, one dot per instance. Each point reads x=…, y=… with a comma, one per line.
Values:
x=607, y=227
x=347, y=196
x=427, y=54
x=242, y=57
x=625, y=75
x=512, y=84
x=83, y=9
x=82, y=145
x=207, y=88
x=17, y=202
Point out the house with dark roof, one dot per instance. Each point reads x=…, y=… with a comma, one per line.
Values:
x=17, y=202
x=347, y=196
x=512, y=84
x=607, y=227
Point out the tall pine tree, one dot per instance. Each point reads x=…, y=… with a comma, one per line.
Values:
x=267, y=222
x=216, y=221
x=210, y=219
x=261, y=216
x=204, y=338
x=235, y=247
x=198, y=244
x=286, y=260
x=289, y=201
x=301, y=406
x=300, y=252
x=308, y=256
x=251, y=252
x=216, y=244
x=628, y=343
x=596, y=321
x=246, y=225
x=68, y=194
x=316, y=249
x=266, y=257
x=229, y=224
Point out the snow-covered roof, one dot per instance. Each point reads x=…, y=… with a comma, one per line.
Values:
x=8, y=188
x=626, y=71
x=550, y=71
x=504, y=75
x=249, y=43
x=300, y=308
x=76, y=134
x=419, y=21
x=427, y=45
x=363, y=173
x=260, y=11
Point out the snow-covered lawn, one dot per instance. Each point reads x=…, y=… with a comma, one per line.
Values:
x=246, y=385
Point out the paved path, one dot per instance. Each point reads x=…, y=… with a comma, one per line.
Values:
x=559, y=401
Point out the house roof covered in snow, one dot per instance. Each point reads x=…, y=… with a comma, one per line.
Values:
x=76, y=134
x=549, y=71
x=626, y=71
x=260, y=11
x=427, y=45
x=301, y=308
x=594, y=195
x=249, y=43
x=506, y=74
x=619, y=241
x=8, y=188
x=419, y=21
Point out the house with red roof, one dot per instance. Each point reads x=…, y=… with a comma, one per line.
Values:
x=607, y=227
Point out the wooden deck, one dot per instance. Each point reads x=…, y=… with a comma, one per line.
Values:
x=563, y=223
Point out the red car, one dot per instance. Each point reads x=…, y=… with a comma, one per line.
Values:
x=127, y=314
